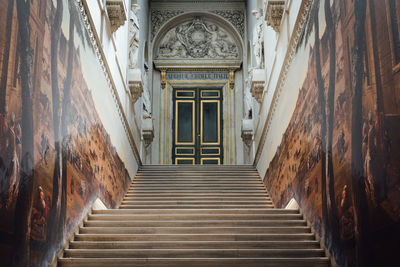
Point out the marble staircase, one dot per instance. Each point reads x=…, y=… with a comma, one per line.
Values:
x=195, y=216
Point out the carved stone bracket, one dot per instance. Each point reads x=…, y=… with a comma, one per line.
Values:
x=273, y=13
x=232, y=79
x=116, y=13
x=135, y=84
x=147, y=131
x=247, y=131
x=257, y=83
x=163, y=79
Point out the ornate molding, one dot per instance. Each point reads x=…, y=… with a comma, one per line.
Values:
x=257, y=83
x=116, y=13
x=297, y=31
x=198, y=39
x=87, y=20
x=159, y=17
x=236, y=17
x=273, y=13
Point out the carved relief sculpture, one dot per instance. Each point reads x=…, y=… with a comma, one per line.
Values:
x=134, y=36
x=198, y=39
x=236, y=17
x=273, y=13
x=258, y=40
x=116, y=13
x=159, y=17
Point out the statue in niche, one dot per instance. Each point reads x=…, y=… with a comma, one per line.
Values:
x=198, y=39
x=258, y=40
x=146, y=97
x=248, y=103
x=134, y=36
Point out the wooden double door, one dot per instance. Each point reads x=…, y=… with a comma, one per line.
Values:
x=197, y=126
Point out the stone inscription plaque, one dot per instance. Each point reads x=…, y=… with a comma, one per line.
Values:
x=197, y=76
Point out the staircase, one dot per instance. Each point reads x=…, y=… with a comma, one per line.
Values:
x=195, y=216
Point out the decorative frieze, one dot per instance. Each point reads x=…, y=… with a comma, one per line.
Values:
x=236, y=17
x=257, y=83
x=135, y=84
x=159, y=17
x=273, y=13
x=116, y=13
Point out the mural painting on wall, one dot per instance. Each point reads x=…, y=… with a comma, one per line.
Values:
x=55, y=154
x=330, y=139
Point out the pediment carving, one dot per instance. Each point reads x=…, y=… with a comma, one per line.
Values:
x=198, y=39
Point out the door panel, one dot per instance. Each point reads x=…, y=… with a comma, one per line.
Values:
x=197, y=126
x=210, y=122
x=185, y=122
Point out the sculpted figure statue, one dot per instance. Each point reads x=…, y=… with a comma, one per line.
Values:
x=134, y=36
x=258, y=38
x=248, y=105
x=146, y=97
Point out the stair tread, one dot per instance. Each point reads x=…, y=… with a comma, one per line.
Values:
x=190, y=216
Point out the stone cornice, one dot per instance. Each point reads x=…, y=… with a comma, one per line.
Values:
x=294, y=39
x=97, y=46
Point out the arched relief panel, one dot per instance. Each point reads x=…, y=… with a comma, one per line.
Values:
x=200, y=37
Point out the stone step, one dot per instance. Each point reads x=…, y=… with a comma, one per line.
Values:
x=197, y=217
x=196, y=262
x=195, y=237
x=196, y=230
x=198, y=174
x=193, y=202
x=196, y=190
x=193, y=253
x=199, y=223
x=191, y=244
x=200, y=198
x=197, y=194
x=194, y=206
x=198, y=211
x=210, y=182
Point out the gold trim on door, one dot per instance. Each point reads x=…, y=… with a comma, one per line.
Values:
x=177, y=159
x=218, y=121
x=185, y=154
x=176, y=122
x=185, y=91
x=210, y=154
x=203, y=159
x=210, y=91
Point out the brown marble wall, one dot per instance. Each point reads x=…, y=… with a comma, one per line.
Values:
x=339, y=156
x=56, y=157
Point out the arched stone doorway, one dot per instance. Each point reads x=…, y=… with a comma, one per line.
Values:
x=197, y=84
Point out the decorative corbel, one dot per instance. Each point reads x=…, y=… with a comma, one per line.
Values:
x=274, y=12
x=232, y=79
x=163, y=79
x=116, y=13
